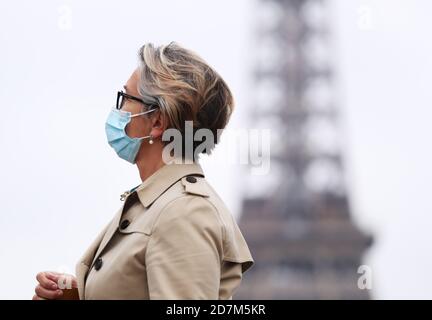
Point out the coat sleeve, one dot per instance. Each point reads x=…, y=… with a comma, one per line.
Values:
x=230, y=280
x=183, y=257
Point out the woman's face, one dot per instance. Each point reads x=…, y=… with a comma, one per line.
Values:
x=138, y=126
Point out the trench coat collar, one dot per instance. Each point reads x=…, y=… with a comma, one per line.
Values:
x=152, y=187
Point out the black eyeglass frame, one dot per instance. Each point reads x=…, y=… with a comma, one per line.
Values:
x=121, y=94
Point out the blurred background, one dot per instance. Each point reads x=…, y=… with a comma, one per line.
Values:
x=344, y=87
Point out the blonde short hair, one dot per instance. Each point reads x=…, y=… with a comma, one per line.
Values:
x=185, y=88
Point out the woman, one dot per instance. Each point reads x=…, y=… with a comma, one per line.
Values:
x=173, y=237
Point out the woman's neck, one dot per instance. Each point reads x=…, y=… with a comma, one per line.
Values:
x=149, y=165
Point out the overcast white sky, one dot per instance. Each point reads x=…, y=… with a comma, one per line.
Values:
x=60, y=181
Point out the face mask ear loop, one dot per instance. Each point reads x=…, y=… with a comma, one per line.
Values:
x=141, y=113
x=151, y=141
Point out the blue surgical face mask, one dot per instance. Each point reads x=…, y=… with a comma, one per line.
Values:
x=126, y=147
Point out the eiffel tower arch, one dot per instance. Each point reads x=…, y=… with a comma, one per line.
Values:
x=297, y=219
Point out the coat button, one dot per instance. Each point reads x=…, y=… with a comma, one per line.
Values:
x=191, y=179
x=124, y=224
x=98, y=264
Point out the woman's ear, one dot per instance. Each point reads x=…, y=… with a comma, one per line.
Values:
x=158, y=124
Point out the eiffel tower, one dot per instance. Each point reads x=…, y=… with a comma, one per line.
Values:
x=297, y=219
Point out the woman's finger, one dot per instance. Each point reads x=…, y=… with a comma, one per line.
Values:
x=63, y=280
x=48, y=294
x=45, y=282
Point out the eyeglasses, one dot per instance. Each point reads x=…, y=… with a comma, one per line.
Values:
x=121, y=97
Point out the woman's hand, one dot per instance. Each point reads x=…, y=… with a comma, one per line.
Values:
x=50, y=285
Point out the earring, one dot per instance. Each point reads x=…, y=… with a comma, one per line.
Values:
x=151, y=139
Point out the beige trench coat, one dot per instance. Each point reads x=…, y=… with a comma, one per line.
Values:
x=173, y=238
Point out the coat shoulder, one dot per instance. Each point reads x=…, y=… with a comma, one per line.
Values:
x=235, y=248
